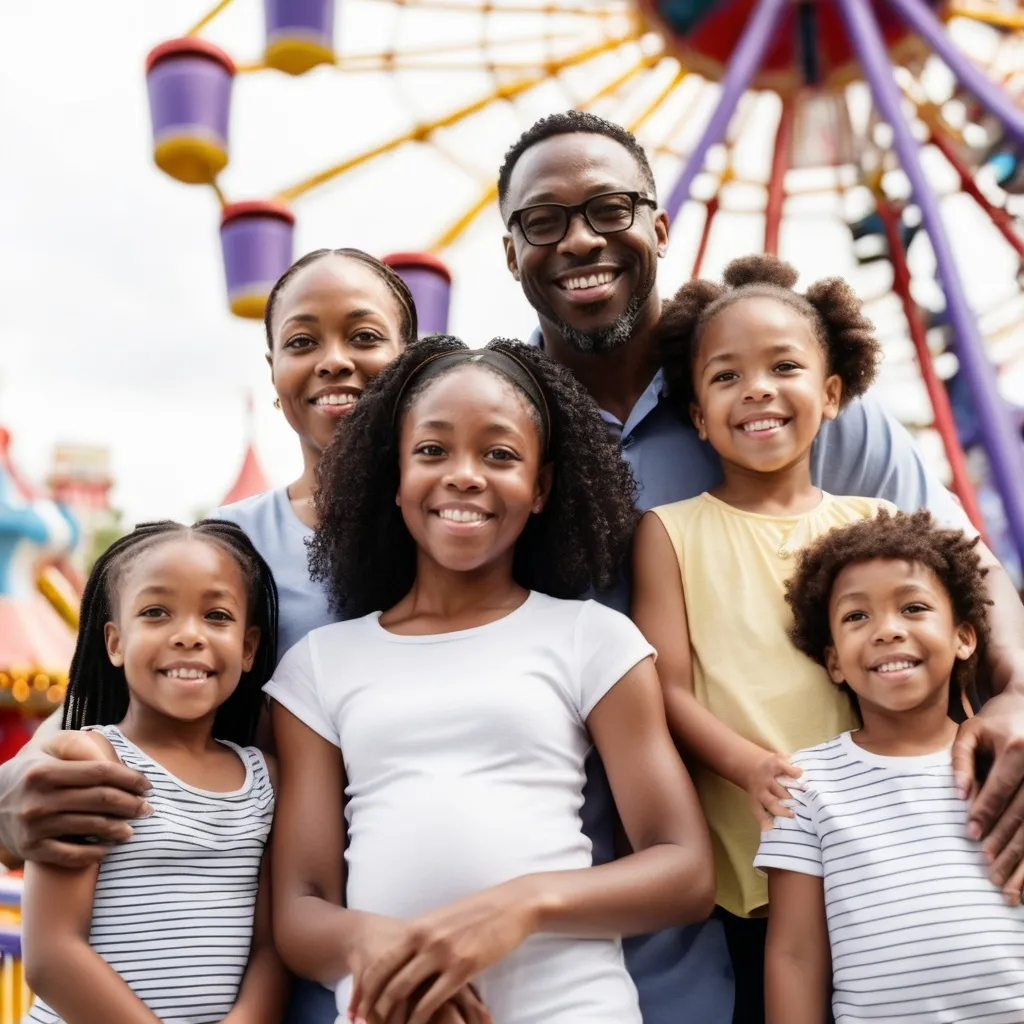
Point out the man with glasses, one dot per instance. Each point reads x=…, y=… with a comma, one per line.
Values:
x=584, y=235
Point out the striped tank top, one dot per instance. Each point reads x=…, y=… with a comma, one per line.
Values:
x=174, y=906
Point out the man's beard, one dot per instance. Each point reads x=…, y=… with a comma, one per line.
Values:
x=602, y=340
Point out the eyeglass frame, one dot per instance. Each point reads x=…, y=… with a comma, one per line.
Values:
x=570, y=213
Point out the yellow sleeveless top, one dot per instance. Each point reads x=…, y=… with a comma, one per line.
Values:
x=734, y=566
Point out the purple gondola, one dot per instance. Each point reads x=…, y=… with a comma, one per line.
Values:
x=430, y=282
x=299, y=34
x=256, y=240
x=189, y=84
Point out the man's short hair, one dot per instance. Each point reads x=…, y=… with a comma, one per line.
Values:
x=566, y=123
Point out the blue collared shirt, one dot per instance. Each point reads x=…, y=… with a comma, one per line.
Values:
x=684, y=975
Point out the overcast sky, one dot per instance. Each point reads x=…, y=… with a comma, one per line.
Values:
x=114, y=328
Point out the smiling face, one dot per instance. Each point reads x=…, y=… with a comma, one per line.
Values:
x=762, y=385
x=591, y=289
x=894, y=637
x=180, y=631
x=336, y=325
x=471, y=469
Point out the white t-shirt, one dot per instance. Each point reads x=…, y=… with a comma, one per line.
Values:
x=465, y=760
x=918, y=933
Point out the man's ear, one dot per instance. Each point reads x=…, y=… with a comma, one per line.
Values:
x=510, y=257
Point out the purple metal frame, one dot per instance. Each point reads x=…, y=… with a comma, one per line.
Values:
x=1001, y=437
x=920, y=19
x=743, y=66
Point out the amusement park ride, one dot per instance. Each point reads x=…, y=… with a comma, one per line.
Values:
x=866, y=93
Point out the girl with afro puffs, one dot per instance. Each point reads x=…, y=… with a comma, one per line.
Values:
x=877, y=890
x=473, y=497
x=758, y=367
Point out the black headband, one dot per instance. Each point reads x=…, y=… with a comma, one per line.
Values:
x=507, y=365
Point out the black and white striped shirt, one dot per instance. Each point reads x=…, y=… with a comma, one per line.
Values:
x=918, y=933
x=174, y=906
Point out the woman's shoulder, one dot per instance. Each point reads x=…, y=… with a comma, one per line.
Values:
x=575, y=616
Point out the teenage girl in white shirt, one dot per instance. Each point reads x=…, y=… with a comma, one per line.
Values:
x=472, y=497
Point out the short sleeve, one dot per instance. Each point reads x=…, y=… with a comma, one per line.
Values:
x=294, y=686
x=608, y=645
x=793, y=844
x=866, y=451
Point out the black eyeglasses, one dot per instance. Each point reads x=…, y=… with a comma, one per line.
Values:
x=606, y=214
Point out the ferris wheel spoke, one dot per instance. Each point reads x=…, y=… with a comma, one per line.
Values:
x=777, y=179
x=1012, y=20
x=490, y=192
x=938, y=397
x=208, y=17
x=610, y=10
x=423, y=131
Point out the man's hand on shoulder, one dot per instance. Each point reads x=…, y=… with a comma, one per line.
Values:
x=68, y=803
x=994, y=738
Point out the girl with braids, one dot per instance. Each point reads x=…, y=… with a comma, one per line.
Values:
x=177, y=639
x=432, y=747
x=759, y=367
x=879, y=892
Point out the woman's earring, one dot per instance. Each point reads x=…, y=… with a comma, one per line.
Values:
x=277, y=403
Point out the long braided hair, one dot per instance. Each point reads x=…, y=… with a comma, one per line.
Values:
x=97, y=692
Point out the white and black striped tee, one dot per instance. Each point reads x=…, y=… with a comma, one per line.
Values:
x=174, y=906
x=919, y=934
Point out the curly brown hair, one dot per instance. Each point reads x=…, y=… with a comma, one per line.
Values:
x=830, y=306
x=914, y=537
x=362, y=549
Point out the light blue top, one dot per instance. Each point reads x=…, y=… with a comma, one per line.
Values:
x=280, y=537
x=683, y=975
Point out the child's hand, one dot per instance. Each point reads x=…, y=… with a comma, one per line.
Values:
x=768, y=786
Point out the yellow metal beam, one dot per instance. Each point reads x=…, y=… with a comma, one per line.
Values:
x=497, y=7
x=1000, y=19
x=461, y=223
x=207, y=18
x=423, y=131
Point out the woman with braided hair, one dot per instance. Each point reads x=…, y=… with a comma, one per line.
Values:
x=429, y=846
x=758, y=367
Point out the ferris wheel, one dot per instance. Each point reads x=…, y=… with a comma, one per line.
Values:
x=876, y=113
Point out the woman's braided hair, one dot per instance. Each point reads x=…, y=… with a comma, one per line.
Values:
x=830, y=306
x=365, y=555
x=950, y=554
x=398, y=288
x=97, y=692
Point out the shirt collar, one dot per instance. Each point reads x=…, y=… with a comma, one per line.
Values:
x=646, y=403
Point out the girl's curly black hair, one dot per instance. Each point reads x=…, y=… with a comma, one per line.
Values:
x=97, y=692
x=830, y=306
x=917, y=538
x=365, y=555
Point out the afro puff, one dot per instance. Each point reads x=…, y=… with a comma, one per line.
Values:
x=830, y=306
x=950, y=554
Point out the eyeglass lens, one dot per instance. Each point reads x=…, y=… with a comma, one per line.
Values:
x=543, y=225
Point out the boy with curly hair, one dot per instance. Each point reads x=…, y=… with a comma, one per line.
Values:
x=759, y=367
x=877, y=892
